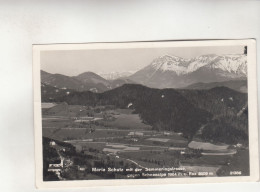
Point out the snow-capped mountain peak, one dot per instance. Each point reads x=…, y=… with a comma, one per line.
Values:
x=176, y=72
x=170, y=63
x=236, y=63
x=231, y=63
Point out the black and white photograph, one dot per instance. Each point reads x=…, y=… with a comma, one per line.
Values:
x=130, y=96
x=144, y=111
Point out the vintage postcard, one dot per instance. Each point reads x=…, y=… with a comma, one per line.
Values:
x=145, y=113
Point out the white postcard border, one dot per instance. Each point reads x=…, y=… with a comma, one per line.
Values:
x=252, y=106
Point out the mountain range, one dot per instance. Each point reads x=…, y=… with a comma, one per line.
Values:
x=164, y=72
x=87, y=81
x=176, y=72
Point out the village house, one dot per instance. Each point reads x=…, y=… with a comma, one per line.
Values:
x=136, y=133
x=52, y=143
x=166, y=133
x=134, y=139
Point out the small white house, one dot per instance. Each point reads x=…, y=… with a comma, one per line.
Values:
x=93, y=90
x=239, y=145
x=52, y=143
x=136, y=133
x=134, y=139
x=166, y=133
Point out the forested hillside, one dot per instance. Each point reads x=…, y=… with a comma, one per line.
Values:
x=218, y=110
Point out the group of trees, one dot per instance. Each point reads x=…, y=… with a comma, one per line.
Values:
x=192, y=153
x=220, y=130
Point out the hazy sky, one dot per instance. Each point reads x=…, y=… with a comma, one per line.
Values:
x=74, y=62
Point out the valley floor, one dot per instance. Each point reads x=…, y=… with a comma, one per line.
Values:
x=115, y=143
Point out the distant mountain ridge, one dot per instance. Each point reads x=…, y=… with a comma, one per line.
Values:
x=238, y=85
x=115, y=75
x=87, y=81
x=164, y=72
x=176, y=72
x=232, y=63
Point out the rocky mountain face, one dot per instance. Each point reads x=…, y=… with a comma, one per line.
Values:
x=176, y=72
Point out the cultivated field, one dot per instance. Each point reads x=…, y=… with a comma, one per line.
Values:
x=121, y=137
